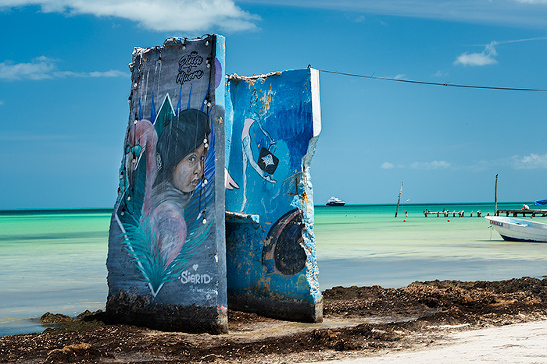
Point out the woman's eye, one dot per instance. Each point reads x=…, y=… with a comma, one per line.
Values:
x=202, y=158
x=192, y=158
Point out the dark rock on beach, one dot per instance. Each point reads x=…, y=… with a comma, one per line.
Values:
x=55, y=318
x=358, y=321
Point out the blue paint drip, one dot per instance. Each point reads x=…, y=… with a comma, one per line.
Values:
x=189, y=97
x=140, y=109
x=178, y=105
x=153, y=112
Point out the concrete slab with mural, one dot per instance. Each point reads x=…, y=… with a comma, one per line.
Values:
x=166, y=252
x=272, y=126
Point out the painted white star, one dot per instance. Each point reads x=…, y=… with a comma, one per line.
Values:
x=268, y=160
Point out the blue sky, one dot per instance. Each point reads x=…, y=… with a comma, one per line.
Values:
x=64, y=84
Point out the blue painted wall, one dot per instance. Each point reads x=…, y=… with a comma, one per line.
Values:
x=272, y=125
x=166, y=256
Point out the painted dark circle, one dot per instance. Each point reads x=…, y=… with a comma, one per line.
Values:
x=289, y=256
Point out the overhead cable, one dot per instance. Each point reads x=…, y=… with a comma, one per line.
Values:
x=435, y=83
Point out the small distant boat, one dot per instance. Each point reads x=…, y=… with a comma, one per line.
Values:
x=514, y=229
x=335, y=201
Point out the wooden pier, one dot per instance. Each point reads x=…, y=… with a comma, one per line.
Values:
x=506, y=212
x=522, y=212
x=450, y=213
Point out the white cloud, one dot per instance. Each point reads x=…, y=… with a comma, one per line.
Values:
x=475, y=59
x=521, y=40
x=42, y=68
x=518, y=162
x=440, y=74
x=418, y=165
x=532, y=161
x=158, y=15
x=489, y=54
x=486, y=57
x=1, y=102
x=528, y=13
x=430, y=165
x=111, y=73
x=94, y=74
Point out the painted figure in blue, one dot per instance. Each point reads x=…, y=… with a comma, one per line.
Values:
x=248, y=153
x=249, y=158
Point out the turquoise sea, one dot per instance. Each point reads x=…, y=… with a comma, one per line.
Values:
x=55, y=260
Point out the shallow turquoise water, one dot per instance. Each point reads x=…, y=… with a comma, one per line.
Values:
x=367, y=245
x=57, y=261
x=51, y=262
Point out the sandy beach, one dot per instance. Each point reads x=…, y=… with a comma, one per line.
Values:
x=516, y=343
x=436, y=321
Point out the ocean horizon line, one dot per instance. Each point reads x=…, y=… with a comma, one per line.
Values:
x=28, y=211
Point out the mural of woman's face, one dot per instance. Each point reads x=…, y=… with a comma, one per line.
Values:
x=189, y=171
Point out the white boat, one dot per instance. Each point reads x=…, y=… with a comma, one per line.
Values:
x=514, y=229
x=335, y=201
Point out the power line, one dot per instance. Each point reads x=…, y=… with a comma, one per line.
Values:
x=435, y=83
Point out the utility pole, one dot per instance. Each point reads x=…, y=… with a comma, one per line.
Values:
x=399, y=200
x=496, y=197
